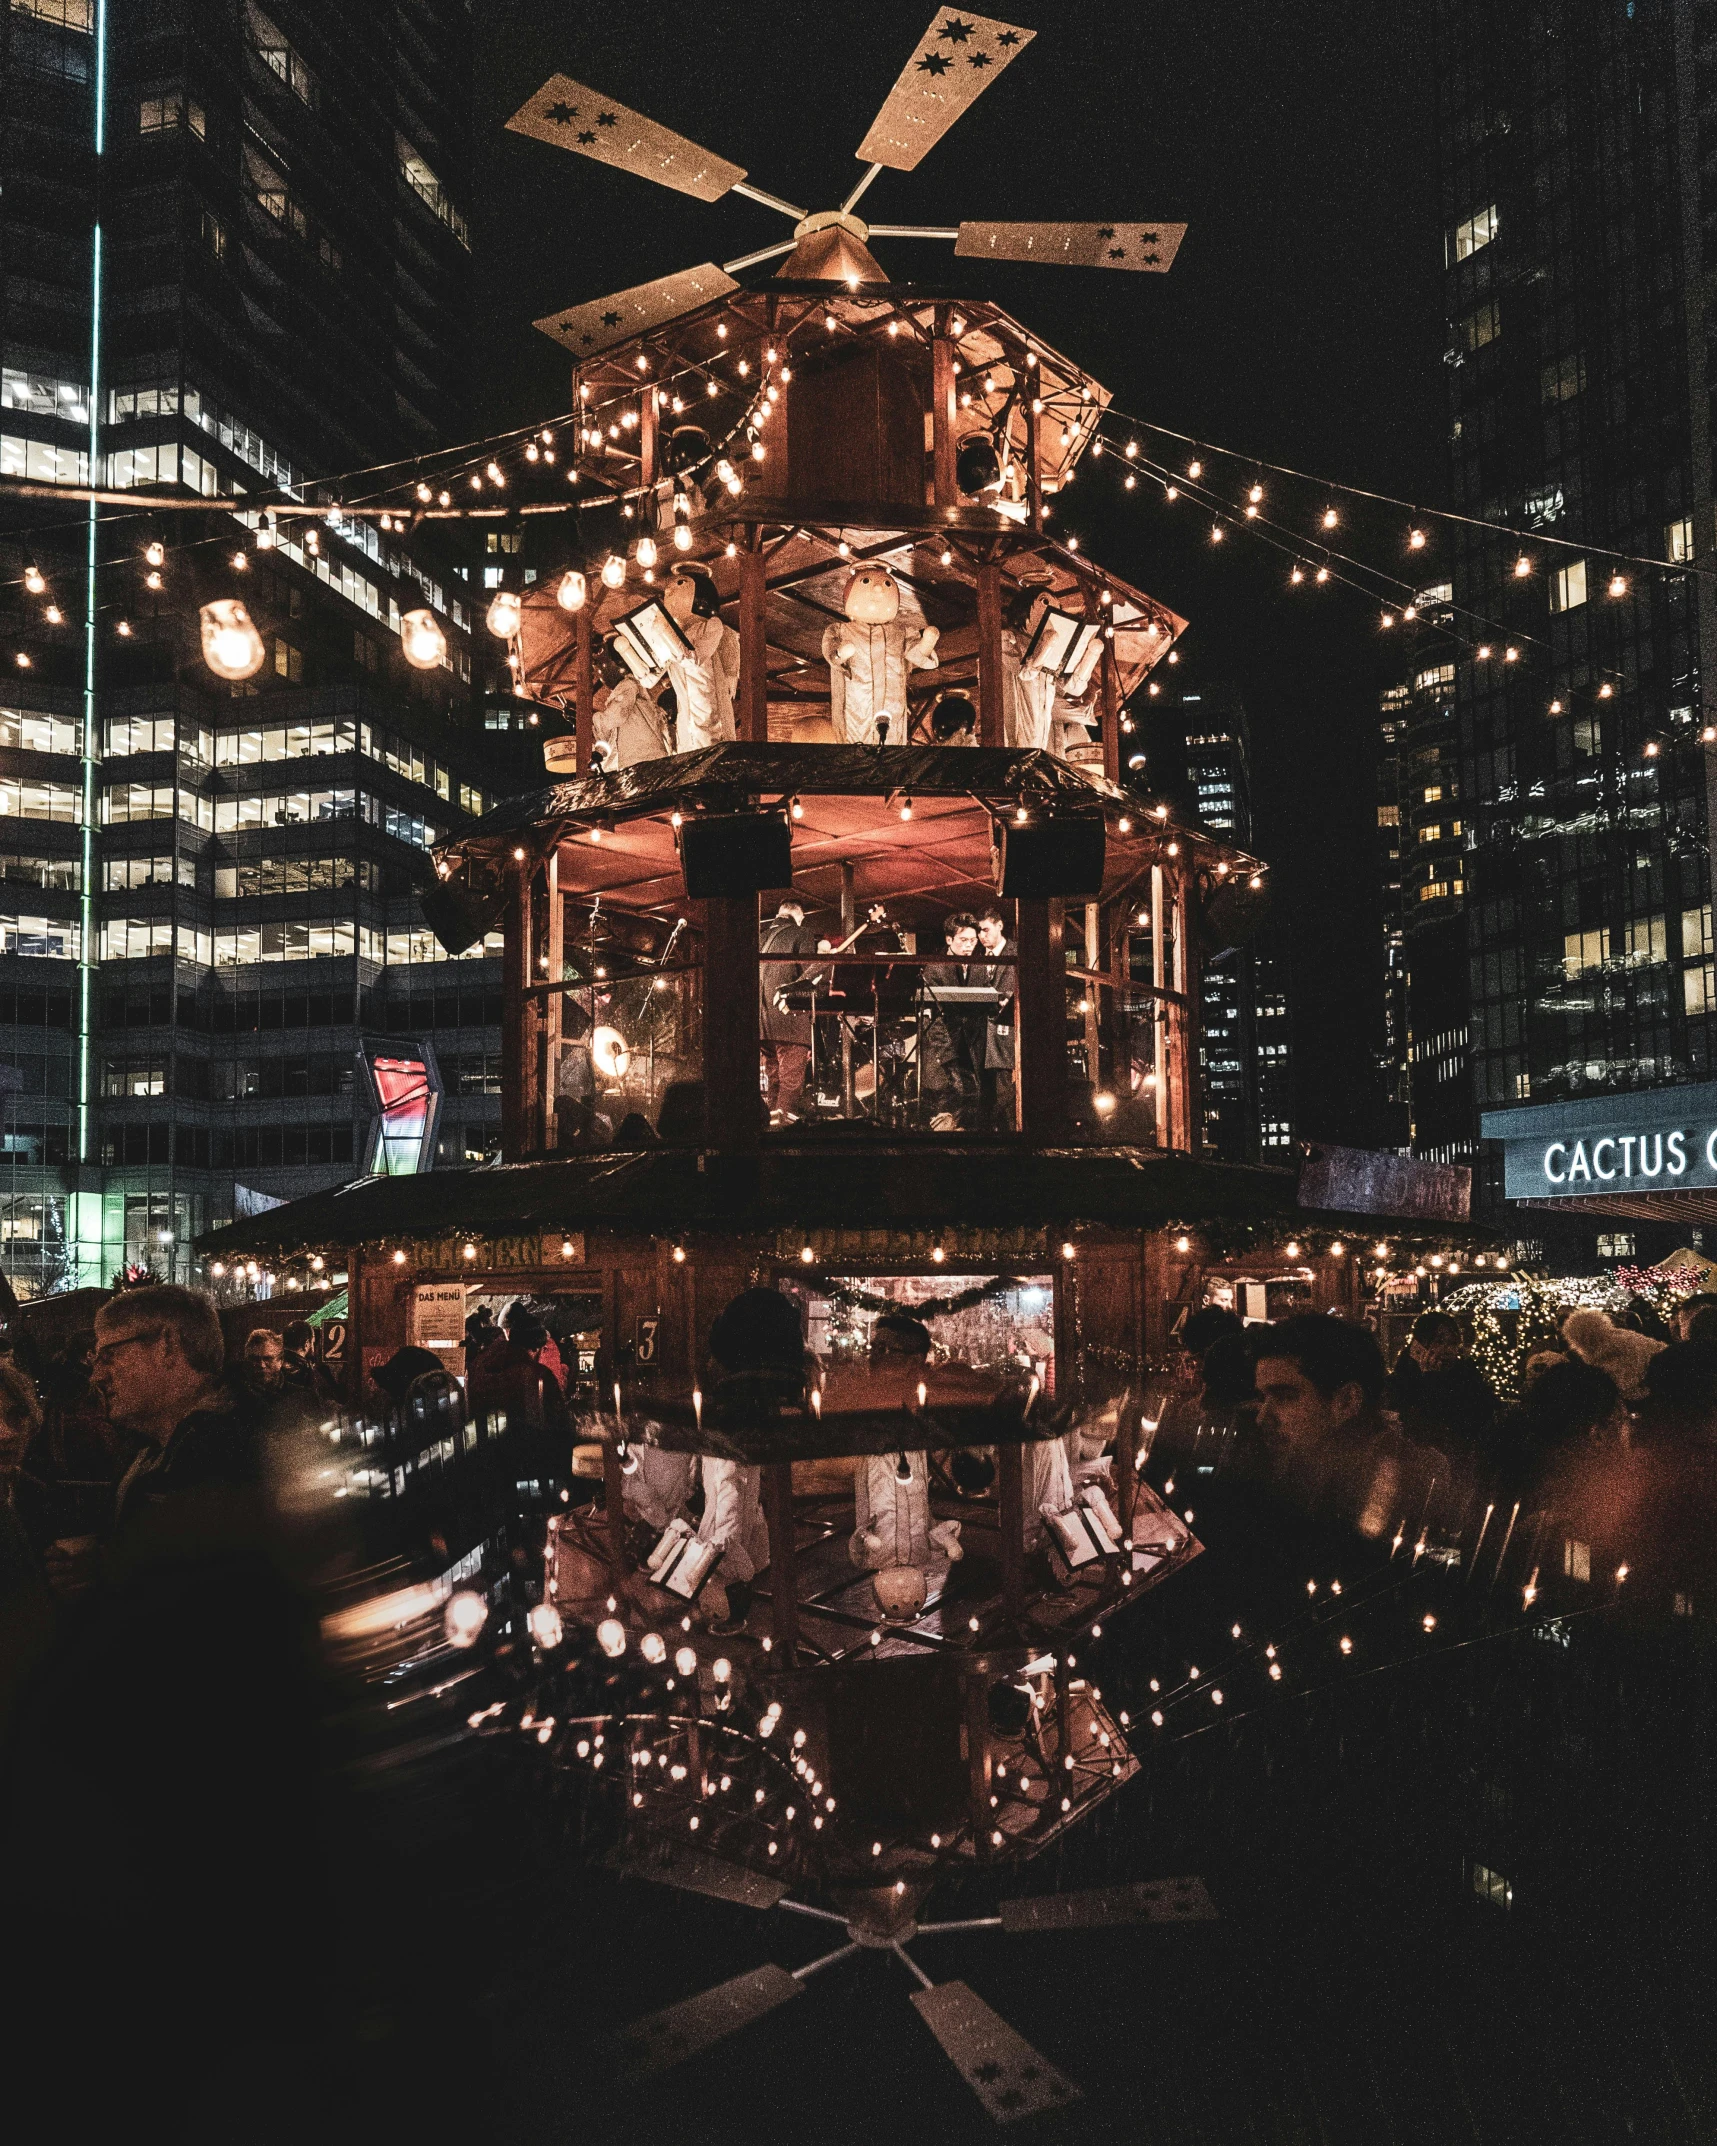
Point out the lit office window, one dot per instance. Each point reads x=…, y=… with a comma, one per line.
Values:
x=1466, y=238
x=1568, y=586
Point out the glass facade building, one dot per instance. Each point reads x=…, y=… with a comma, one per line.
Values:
x=235, y=263
x=1576, y=233
x=1246, y=1056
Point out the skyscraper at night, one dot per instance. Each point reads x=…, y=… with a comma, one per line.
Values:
x=1575, y=239
x=236, y=262
x=1246, y=1049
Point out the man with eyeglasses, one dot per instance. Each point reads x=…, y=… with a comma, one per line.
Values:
x=159, y=1365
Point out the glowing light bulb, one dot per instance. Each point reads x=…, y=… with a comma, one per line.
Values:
x=546, y=1627
x=421, y=640
x=611, y=1637
x=613, y=571
x=1195, y=469
x=34, y=580
x=573, y=590
x=464, y=1618
x=504, y=614
x=645, y=551
x=1415, y=540
x=232, y=647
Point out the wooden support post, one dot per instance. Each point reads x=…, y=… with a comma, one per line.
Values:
x=614, y=1510
x=1010, y=1515
x=945, y=492
x=732, y=1103
x=518, y=1018
x=1033, y=475
x=1041, y=1027
x=1126, y=1465
x=783, y=1559
x=584, y=688
x=992, y=672
x=1110, y=677
x=554, y=1006
x=1159, y=1014
x=1093, y=997
x=753, y=723
x=647, y=450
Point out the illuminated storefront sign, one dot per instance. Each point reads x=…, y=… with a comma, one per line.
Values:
x=1660, y=1140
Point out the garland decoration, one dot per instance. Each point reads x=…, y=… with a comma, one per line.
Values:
x=867, y=1300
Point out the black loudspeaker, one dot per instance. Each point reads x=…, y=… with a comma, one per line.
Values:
x=1059, y=856
x=459, y=914
x=739, y=853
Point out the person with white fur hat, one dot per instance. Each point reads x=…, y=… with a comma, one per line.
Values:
x=1624, y=1355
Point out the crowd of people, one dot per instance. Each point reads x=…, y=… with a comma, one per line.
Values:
x=1613, y=1431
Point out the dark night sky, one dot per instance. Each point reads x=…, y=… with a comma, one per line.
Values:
x=1300, y=322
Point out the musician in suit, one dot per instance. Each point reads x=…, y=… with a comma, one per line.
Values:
x=953, y=1046
x=784, y=1031
x=996, y=1068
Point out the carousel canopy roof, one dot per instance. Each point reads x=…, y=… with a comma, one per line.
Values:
x=873, y=1184
x=849, y=797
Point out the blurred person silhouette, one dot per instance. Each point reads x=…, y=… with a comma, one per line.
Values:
x=1438, y=1392
x=1688, y=1310
x=1334, y=1452
x=162, y=1757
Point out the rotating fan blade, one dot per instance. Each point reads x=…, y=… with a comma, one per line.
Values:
x=687, y=2029
x=574, y=117
x=692, y=1871
x=1001, y=2067
x=958, y=57
x=600, y=323
x=1155, y=1900
x=1141, y=247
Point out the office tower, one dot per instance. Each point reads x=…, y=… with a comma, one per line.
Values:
x=1429, y=993
x=1575, y=238
x=251, y=248
x=1245, y=1050
x=1391, y=1048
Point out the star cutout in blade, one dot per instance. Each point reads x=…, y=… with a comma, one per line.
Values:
x=1117, y=253
x=561, y=113
x=986, y=2072
x=1105, y=230
x=587, y=337
x=611, y=320
x=587, y=134
x=955, y=31
x=606, y=119
x=934, y=63
x=978, y=59
x=1008, y=37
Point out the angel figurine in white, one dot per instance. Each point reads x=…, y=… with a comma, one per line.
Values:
x=705, y=681
x=869, y=655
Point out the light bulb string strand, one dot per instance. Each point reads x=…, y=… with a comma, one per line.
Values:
x=1328, y=485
